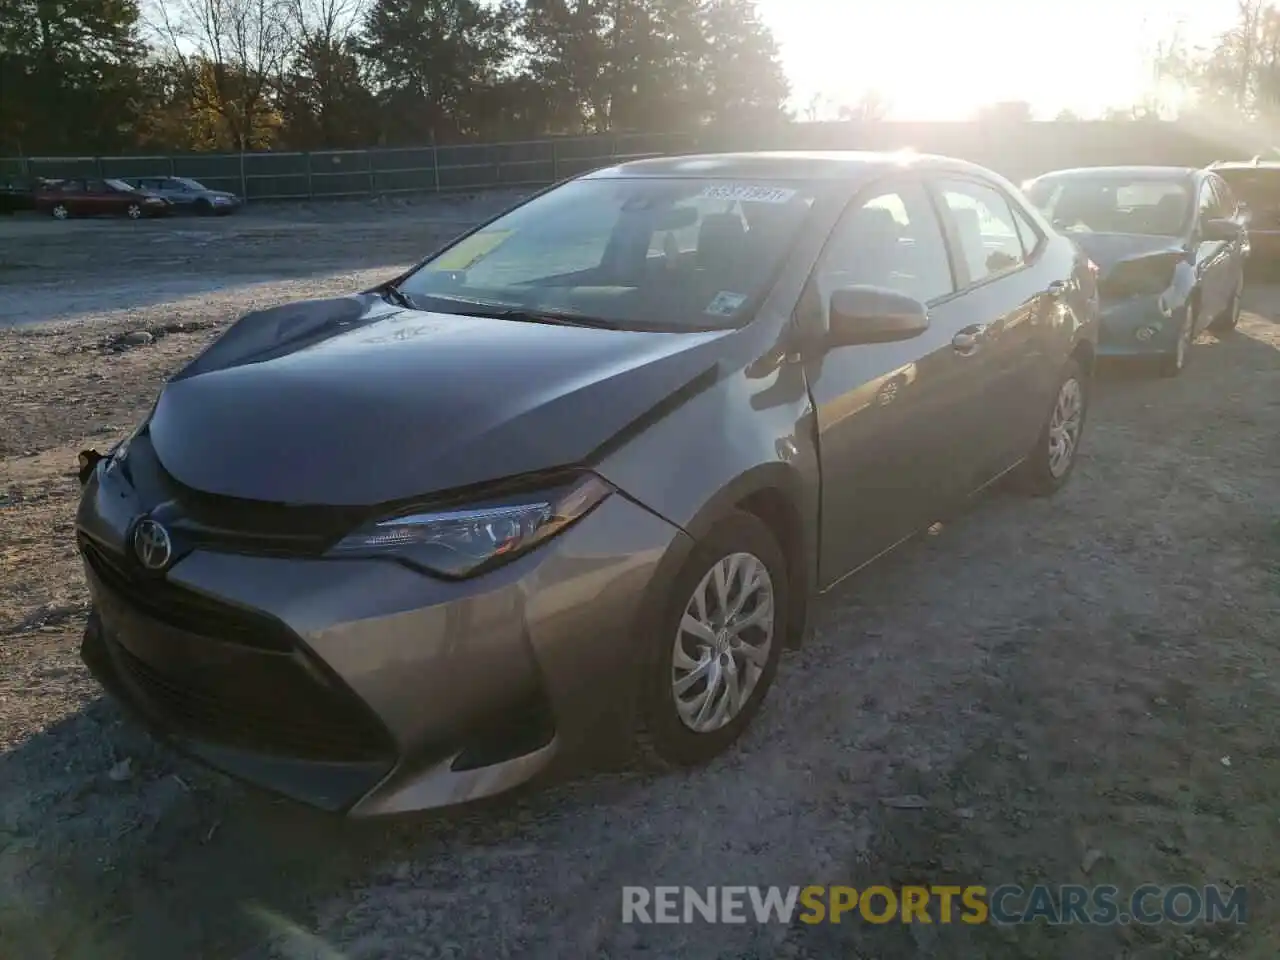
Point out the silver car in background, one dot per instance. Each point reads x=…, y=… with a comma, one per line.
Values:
x=189, y=195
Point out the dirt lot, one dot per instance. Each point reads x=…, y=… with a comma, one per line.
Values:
x=1081, y=690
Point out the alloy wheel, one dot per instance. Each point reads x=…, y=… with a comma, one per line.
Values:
x=723, y=642
x=60, y=212
x=134, y=211
x=1064, y=426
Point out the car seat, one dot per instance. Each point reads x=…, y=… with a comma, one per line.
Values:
x=721, y=242
x=1168, y=214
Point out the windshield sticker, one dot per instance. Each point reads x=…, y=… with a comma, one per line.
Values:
x=746, y=193
x=726, y=303
x=469, y=251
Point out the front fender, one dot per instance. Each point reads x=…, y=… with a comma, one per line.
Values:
x=748, y=435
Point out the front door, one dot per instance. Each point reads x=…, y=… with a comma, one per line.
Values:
x=888, y=415
x=1213, y=259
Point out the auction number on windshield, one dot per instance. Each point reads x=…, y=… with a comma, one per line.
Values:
x=747, y=193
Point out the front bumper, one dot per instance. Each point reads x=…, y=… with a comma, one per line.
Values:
x=364, y=688
x=1123, y=320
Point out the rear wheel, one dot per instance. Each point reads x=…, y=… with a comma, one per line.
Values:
x=134, y=211
x=1048, y=466
x=60, y=211
x=720, y=639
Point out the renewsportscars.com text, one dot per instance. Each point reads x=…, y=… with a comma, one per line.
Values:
x=940, y=903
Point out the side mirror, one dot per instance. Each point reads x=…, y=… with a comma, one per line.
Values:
x=1220, y=231
x=861, y=315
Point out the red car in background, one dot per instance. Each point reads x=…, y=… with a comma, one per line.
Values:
x=94, y=196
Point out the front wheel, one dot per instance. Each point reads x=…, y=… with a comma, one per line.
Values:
x=134, y=211
x=1229, y=319
x=1048, y=466
x=1173, y=363
x=719, y=642
x=60, y=211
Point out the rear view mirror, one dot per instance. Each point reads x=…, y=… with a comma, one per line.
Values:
x=1221, y=230
x=861, y=315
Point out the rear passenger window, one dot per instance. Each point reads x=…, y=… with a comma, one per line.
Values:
x=1027, y=231
x=891, y=239
x=990, y=241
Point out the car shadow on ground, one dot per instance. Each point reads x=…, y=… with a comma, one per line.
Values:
x=156, y=858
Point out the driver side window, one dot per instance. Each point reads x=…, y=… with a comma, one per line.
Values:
x=890, y=239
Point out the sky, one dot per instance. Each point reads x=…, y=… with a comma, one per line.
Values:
x=939, y=60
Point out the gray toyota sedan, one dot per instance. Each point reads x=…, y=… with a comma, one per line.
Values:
x=565, y=490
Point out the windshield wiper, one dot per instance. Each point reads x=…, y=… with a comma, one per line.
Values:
x=523, y=315
x=397, y=296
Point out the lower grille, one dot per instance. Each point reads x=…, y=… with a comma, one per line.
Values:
x=185, y=609
x=273, y=705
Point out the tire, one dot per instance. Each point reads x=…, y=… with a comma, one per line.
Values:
x=61, y=211
x=204, y=208
x=1173, y=363
x=134, y=211
x=663, y=739
x=1041, y=473
x=1229, y=319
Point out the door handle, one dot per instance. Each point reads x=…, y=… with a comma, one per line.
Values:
x=1057, y=288
x=967, y=341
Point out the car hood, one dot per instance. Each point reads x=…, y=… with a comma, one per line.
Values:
x=353, y=402
x=1108, y=250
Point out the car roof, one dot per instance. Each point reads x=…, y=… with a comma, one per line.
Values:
x=787, y=165
x=1135, y=171
x=1245, y=165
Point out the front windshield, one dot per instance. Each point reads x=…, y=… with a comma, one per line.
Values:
x=680, y=253
x=188, y=183
x=1092, y=204
x=119, y=185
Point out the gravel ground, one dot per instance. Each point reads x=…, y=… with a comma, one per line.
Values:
x=1080, y=690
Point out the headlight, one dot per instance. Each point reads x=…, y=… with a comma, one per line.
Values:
x=461, y=543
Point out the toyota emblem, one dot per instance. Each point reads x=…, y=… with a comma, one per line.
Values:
x=152, y=545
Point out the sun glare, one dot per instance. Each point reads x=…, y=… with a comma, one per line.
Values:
x=932, y=60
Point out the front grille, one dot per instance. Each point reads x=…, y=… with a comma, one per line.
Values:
x=185, y=609
x=274, y=706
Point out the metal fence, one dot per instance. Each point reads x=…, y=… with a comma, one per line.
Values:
x=1016, y=150
x=359, y=173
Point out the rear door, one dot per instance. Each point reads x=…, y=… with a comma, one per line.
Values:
x=890, y=416
x=73, y=195
x=1009, y=300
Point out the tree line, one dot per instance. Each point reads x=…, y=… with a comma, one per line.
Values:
x=102, y=76
x=1235, y=77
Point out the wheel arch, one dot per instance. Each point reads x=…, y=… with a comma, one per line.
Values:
x=773, y=494
x=1086, y=355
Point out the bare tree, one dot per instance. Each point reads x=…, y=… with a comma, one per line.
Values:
x=229, y=54
x=871, y=106
x=328, y=23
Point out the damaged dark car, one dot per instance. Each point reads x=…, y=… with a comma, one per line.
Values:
x=564, y=491
x=1170, y=245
